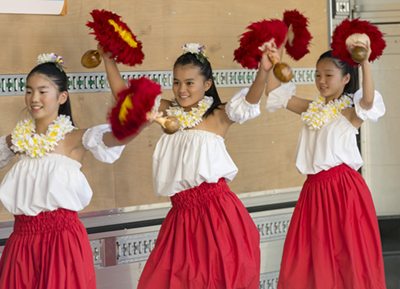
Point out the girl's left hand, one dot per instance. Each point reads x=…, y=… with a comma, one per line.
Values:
x=102, y=53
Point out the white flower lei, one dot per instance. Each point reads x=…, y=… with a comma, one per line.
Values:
x=25, y=140
x=319, y=113
x=194, y=116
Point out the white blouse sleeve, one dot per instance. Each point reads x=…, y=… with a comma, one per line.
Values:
x=157, y=103
x=93, y=141
x=6, y=154
x=279, y=97
x=239, y=110
x=378, y=108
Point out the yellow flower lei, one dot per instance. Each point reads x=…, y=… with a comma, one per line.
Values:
x=25, y=140
x=193, y=117
x=319, y=113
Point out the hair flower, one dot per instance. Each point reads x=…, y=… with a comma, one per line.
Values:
x=196, y=49
x=51, y=58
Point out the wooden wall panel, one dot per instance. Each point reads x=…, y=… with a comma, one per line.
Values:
x=262, y=148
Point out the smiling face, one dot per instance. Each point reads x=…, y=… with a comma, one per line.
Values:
x=189, y=85
x=42, y=97
x=330, y=80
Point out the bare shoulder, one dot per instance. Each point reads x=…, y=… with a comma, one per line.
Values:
x=351, y=115
x=8, y=141
x=164, y=105
x=74, y=138
x=220, y=113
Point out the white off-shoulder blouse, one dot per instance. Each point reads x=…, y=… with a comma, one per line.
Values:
x=54, y=181
x=335, y=143
x=186, y=159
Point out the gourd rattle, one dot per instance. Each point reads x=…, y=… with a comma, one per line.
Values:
x=350, y=32
x=281, y=70
x=170, y=124
x=91, y=59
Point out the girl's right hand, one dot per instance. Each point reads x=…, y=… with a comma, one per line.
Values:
x=269, y=49
x=152, y=115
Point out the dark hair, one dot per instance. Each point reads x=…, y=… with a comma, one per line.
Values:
x=60, y=79
x=345, y=68
x=206, y=71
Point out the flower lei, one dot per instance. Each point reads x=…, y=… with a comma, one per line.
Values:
x=319, y=113
x=51, y=58
x=197, y=50
x=25, y=140
x=194, y=116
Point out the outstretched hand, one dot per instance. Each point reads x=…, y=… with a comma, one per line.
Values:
x=152, y=115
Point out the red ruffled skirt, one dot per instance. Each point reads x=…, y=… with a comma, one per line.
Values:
x=48, y=251
x=333, y=239
x=208, y=240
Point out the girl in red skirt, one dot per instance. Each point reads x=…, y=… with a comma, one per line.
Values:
x=208, y=240
x=49, y=247
x=333, y=239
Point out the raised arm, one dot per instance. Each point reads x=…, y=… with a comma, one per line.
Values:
x=115, y=80
x=272, y=81
x=257, y=88
x=245, y=104
x=367, y=82
x=368, y=93
x=294, y=104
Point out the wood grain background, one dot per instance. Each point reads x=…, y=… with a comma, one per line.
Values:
x=263, y=148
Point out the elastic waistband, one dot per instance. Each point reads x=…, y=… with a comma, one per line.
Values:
x=340, y=169
x=199, y=195
x=45, y=222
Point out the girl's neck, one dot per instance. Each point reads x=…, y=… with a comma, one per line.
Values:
x=328, y=99
x=189, y=108
x=43, y=124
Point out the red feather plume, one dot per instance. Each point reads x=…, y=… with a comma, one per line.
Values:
x=248, y=54
x=142, y=93
x=111, y=41
x=347, y=28
x=302, y=36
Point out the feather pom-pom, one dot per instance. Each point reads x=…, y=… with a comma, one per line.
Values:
x=346, y=29
x=299, y=36
x=116, y=37
x=248, y=54
x=129, y=113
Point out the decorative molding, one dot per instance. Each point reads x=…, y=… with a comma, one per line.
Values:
x=273, y=228
x=137, y=247
x=14, y=84
x=269, y=280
